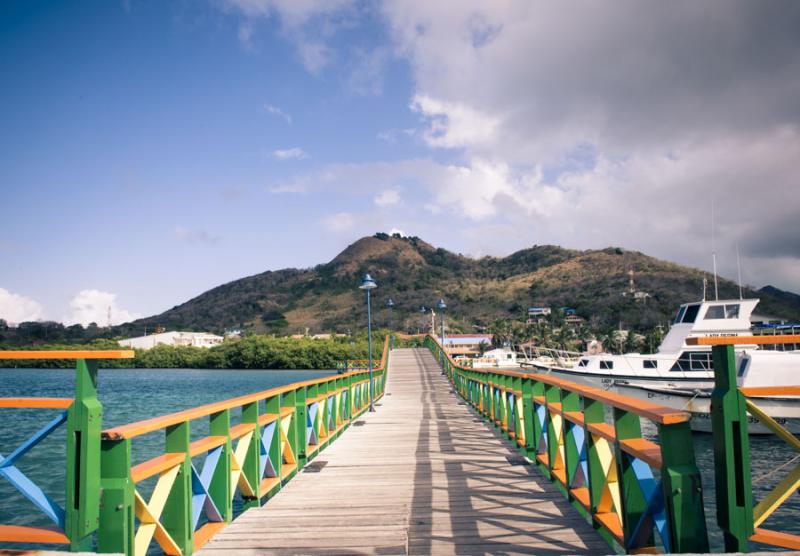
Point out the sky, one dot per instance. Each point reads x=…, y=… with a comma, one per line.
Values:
x=150, y=151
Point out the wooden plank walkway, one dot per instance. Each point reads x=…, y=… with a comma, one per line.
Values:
x=423, y=475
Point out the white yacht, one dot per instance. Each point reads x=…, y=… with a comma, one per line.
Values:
x=680, y=375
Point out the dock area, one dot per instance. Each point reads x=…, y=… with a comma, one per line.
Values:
x=422, y=475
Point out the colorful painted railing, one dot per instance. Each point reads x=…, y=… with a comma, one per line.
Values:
x=352, y=365
x=279, y=430
x=75, y=523
x=630, y=487
x=737, y=515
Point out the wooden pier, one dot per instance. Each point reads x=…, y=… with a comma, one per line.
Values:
x=422, y=475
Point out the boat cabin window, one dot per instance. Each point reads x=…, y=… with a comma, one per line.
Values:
x=606, y=364
x=723, y=312
x=679, y=316
x=694, y=361
x=691, y=313
x=583, y=362
x=650, y=364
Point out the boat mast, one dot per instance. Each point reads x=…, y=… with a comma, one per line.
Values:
x=739, y=270
x=714, y=248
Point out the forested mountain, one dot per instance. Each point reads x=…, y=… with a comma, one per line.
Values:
x=477, y=291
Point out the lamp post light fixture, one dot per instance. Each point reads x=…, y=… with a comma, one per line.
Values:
x=422, y=311
x=442, y=306
x=390, y=305
x=368, y=284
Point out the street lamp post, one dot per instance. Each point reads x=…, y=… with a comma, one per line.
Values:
x=422, y=311
x=390, y=305
x=368, y=284
x=441, y=305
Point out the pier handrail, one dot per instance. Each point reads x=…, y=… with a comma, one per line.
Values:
x=76, y=522
x=604, y=469
x=737, y=515
x=657, y=413
x=66, y=354
x=279, y=431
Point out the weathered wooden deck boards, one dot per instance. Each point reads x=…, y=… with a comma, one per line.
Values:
x=424, y=475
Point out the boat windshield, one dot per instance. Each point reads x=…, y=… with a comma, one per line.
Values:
x=691, y=313
x=679, y=316
x=723, y=312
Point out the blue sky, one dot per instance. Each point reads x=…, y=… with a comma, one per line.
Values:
x=150, y=151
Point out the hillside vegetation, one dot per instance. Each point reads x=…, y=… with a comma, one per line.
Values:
x=477, y=291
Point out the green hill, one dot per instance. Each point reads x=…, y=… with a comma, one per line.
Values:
x=414, y=273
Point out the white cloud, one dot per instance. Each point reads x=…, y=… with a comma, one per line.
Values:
x=387, y=198
x=295, y=153
x=276, y=111
x=339, y=222
x=455, y=124
x=246, y=35
x=194, y=235
x=309, y=24
x=93, y=306
x=15, y=308
x=299, y=185
x=398, y=231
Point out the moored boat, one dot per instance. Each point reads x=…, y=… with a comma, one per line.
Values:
x=680, y=374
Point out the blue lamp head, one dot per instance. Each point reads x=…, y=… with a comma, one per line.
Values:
x=441, y=305
x=367, y=283
x=390, y=303
x=422, y=309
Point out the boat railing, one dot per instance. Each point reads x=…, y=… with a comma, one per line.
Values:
x=740, y=519
x=75, y=523
x=638, y=493
x=559, y=357
x=255, y=444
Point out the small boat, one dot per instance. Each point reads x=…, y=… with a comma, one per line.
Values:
x=681, y=375
x=495, y=358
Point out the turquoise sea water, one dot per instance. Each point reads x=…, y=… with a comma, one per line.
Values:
x=132, y=395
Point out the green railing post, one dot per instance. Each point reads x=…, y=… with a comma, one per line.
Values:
x=177, y=518
x=682, y=488
x=529, y=449
x=84, y=423
x=626, y=427
x=594, y=414
x=251, y=464
x=116, y=532
x=731, y=453
x=219, y=424
x=300, y=418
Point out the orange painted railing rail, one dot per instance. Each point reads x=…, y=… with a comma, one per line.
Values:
x=63, y=354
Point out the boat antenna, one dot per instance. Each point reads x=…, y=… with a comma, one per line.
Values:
x=739, y=270
x=705, y=285
x=714, y=248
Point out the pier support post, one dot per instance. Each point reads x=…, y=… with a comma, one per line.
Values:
x=682, y=489
x=731, y=453
x=178, y=509
x=117, y=526
x=84, y=422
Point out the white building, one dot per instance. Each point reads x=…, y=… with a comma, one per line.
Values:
x=193, y=339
